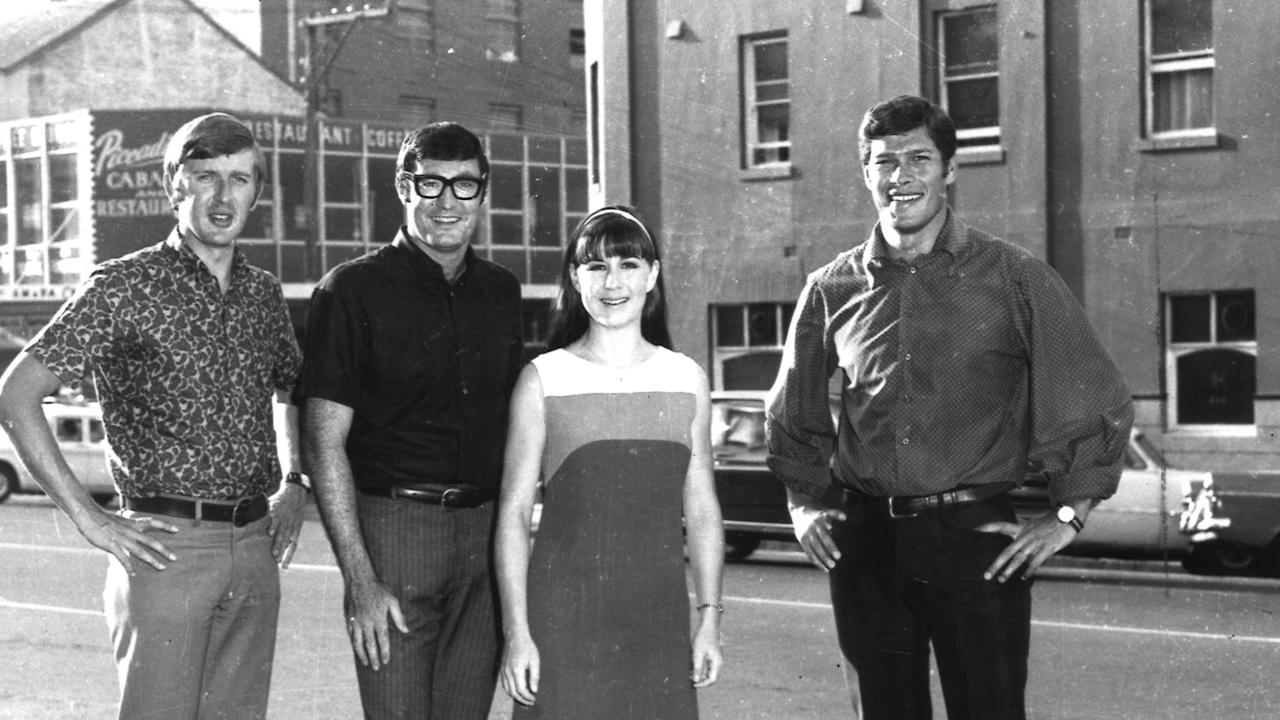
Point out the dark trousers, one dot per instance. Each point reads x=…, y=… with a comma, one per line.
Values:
x=436, y=561
x=904, y=584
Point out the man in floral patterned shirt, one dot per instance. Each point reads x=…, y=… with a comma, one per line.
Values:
x=187, y=344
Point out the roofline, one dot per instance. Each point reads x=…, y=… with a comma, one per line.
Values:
x=114, y=4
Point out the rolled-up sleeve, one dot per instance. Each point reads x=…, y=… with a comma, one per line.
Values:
x=798, y=426
x=1081, y=408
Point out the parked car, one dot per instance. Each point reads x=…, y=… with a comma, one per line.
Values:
x=1141, y=519
x=1232, y=522
x=79, y=432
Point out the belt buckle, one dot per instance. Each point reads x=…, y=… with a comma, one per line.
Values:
x=894, y=514
x=451, y=497
x=242, y=505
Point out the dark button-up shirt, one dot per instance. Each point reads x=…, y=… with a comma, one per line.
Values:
x=185, y=373
x=957, y=367
x=428, y=367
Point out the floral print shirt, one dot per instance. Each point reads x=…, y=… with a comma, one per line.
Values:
x=185, y=373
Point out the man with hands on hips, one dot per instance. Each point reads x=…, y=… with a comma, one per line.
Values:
x=961, y=357
x=188, y=346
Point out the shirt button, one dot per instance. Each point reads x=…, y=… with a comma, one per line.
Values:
x=906, y=441
x=907, y=356
x=912, y=270
x=465, y=391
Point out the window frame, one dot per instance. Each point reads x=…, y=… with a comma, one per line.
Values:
x=752, y=106
x=1180, y=63
x=969, y=139
x=722, y=353
x=1174, y=351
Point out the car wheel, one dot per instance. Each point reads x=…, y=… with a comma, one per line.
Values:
x=1222, y=558
x=8, y=482
x=740, y=547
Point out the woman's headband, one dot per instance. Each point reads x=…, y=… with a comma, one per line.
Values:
x=624, y=214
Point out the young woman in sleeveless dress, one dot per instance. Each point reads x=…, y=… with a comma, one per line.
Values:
x=616, y=427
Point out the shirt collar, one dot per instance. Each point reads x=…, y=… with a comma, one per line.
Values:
x=953, y=239
x=421, y=262
x=192, y=263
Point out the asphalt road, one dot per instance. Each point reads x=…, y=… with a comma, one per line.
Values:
x=1109, y=640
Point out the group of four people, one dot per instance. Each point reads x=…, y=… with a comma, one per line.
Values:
x=427, y=445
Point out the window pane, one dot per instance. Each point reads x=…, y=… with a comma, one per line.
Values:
x=544, y=185
x=1235, y=317
x=512, y=260
x=771, y=61
x=1216, y=387
x=30, y=218
x=575, y=191
x=293, y=210
x=62, y=178
x=384, y=205
x=537, y=320
x=342, y=225
x=762, y=324
x=544, y=266
x=730, y=329
x=4, y=188
x=506, y=147
x=1180, y=26
x=970, y=42
x=341, y=179
x=64, y=224
x=974, y=103
x=66, y=265
x=507, y=229
x=774, y=123
x=1183, y=100
x=1189, y=318
x=506, y=187
x=544, y=150
x=754, y=371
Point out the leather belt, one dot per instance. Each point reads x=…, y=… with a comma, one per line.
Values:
x=909, y=506
x=450, y=496
x=237, y=512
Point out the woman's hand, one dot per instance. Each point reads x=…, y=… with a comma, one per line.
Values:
x=520, y=669
x=707, y=657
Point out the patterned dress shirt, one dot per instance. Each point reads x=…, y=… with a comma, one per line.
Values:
x=186, y=374
x=956, y=368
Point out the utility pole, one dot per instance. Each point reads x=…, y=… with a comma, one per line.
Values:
x=320, y=58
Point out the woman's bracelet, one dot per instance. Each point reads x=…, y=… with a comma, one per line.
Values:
x=718, y=606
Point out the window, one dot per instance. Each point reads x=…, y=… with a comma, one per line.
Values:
x=1211, y=358
x=414, y=20
x=1179, y=67
x=502, y=30
x=766, y=102
x=747, y=344
x=969, y=77
x=505, y=118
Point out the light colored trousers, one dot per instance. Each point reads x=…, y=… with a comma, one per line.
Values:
x=195, y=641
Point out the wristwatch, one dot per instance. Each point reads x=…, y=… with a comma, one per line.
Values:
x=298, y=478
x=1067, y=514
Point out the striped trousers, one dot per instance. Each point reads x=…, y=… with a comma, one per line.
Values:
x=437, y=562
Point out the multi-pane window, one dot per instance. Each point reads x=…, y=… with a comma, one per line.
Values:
x=747, y=344
x=1211, y=358
x=969, y=74
x=416, y=23
x=1179, y=64
x=537, y=194
x=766, y=101
x=502, y=30
x=505, y=118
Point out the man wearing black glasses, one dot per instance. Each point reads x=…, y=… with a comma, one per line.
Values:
x=411, y=355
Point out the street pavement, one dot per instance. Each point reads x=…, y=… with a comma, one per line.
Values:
x=1110, y=639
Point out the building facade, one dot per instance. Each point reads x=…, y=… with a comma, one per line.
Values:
x=492, y=65
x=1128, y=142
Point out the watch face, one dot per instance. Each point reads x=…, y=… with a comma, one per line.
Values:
x=1066, y=514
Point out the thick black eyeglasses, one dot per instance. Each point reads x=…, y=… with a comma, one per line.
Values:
x=432, y=186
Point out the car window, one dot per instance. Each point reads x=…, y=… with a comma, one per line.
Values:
x=69, y=430
x=738, y=423
x=96, y=431
x=1132, y=460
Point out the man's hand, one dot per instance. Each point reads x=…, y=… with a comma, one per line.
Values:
x=1032, y=544
x=812, y=523
x=127, y=537
x=370, y=604
x=286, y=521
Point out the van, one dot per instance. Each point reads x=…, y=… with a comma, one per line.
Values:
x=79, y=431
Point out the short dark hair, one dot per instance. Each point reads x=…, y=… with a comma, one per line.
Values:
x=900, y=116
x=441, y=141
x=210, y=136
x=613, y=231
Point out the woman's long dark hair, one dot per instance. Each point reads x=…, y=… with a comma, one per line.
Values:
x=613, y=231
